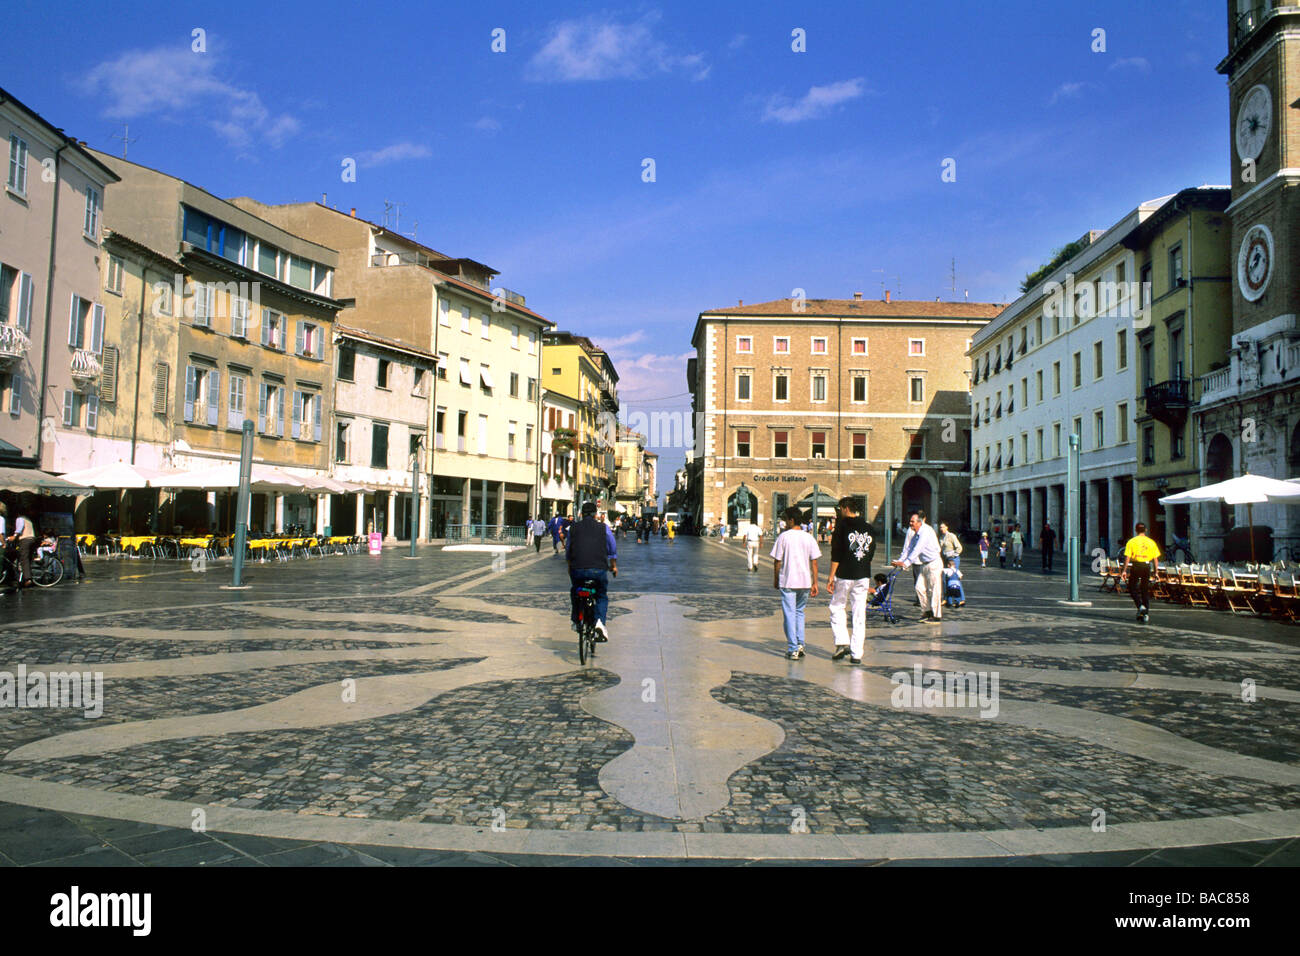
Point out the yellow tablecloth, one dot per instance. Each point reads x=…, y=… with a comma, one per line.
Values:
x=195, y=542
x=135, y=541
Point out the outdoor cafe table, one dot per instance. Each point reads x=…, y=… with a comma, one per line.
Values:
x=134, y=541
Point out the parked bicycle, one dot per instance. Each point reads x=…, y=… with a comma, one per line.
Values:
x=47, y=570
x=1181, y=552
x=586, y=621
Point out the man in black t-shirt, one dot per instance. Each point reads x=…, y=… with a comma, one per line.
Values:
x=1047, y=541
x=591, y=550
x=852, y=548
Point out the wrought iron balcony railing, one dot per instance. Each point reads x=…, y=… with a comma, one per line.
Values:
x=14, y=344
x=85, y=369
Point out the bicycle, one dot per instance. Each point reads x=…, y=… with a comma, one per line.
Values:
x=1181, y=552
x=1287, y=555
x=586, y=620
x=47, y=570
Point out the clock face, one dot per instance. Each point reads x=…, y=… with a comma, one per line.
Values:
x=1254, y=117
x=1255, y=262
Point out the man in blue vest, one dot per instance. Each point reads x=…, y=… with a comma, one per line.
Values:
x=590, y=548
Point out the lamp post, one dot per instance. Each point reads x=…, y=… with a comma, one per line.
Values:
x=413, y=512
x=889, y=510
x=244, y=503
x=1072, y=523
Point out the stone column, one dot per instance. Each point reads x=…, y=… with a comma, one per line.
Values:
x=1055, y=509
x=279, y=514
x=425, y=528
x=501, y=506
x=361, y=512
x=212, y=510
x=1091, y=518
x=465, y=510
x=390, y=520
x=322, y=505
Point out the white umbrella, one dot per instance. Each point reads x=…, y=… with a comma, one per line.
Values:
x=36, y=482
x=222, y=477
x=1248, y=490
x=119, y=475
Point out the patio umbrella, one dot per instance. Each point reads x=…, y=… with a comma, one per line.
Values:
x=264, y=478
x=1248, y=490
x=36, y=482
x=118, y=475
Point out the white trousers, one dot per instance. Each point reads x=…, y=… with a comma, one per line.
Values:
x=751, y=555
x=929, y=586
x=853, y=594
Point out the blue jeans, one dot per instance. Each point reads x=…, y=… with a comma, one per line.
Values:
x=576, y=577
x=956, y=560
x=955, y=592
x=793, y=602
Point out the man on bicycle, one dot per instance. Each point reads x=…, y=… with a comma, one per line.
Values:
x=589, y=548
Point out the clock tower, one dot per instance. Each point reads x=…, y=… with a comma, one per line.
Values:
x=1248, y=414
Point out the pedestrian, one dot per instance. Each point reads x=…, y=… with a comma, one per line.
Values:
x=24, y=538
x=921, y=553
x=538, y=528
x=949, y=545
x=954, y=595
x=852, y=549
x=794, y=574
x=1017, y=545
x=1143, y=556
x=1002, y=552
x=1048, y=541
x=670, y=528
x=554, y=527
x=753, y=535
x=984, y=549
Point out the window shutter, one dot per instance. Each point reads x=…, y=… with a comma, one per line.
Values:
x=214, y=395
x=25, y=302
x=238, y=316
x=266, y=327
x=97, y=329
x=296, y=427
x=234, y=416
x=92, y=412
x=108, y=375
x=189, y=393
x=261, y=408
x=69, y=398
x=16, y=395
x=300, y=329
x=161, y=373
x=72, y=324
x=316, y=406
x=280, y=391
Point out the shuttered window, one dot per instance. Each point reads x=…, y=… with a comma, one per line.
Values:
x=108, y=374
x=160, y=381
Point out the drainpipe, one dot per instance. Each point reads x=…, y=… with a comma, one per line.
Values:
x=139, y=352
x=49, y=303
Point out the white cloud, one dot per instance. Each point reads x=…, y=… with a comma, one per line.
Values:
x=818, y=101
x=392, y=154
x=1139, y=63
x=486, y=124
x=613, y=345
x=1066, y=91
x=736, y=42
x=178, y=83
x=590, y=48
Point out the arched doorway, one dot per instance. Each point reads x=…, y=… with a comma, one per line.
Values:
x=916, y=494
x=741, y=507
x=1218, y=467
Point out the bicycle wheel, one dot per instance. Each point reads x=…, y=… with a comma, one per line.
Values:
x=582, y=639
x=48, y=573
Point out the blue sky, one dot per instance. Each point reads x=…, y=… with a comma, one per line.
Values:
x=774, y=169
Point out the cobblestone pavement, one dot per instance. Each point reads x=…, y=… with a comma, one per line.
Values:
x=387, y=711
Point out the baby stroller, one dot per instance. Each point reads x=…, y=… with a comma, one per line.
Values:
x=883, y=600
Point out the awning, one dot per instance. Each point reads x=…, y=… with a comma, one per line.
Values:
x=37, y=482
x=226, y=477
x=465, y=377
x=487, y=376
x=118, y=475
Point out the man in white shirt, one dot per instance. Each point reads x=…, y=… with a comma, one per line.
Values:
x=921, y=553
x=794, y=573
x=752, y=536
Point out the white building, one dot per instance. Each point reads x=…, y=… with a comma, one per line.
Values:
x=557, y=483
x=1055, y=362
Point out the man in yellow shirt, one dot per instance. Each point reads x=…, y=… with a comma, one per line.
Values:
x=1143, y=555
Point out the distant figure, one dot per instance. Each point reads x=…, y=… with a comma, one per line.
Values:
x=1048, y=541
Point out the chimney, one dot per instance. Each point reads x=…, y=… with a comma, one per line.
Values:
x=886, y=295
x=354, y=212
x=739, y=303
x=322, y=199
x=857, y=296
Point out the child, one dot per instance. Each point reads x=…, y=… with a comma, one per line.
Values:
x=1002, y=552
x=881, y=591
x=984, y=550
x=956, y=597
x=794, y=574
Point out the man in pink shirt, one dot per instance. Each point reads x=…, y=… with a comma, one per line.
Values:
x=794, y=573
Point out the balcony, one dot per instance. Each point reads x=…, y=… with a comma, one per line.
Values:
x=1248, y=21
x=1169, y=401
x=14, y=345
x=85, y=369
x=1220, y=380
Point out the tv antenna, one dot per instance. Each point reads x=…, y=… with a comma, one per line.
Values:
x=394, y=209
x=125, y=138
x=954, y=277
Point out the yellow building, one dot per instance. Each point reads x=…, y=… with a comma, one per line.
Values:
x=1182, y=257
x=574, y=367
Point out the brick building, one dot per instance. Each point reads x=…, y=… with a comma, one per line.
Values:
x=833, y=396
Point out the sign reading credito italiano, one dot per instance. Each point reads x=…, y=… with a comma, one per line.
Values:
x=794, y=479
